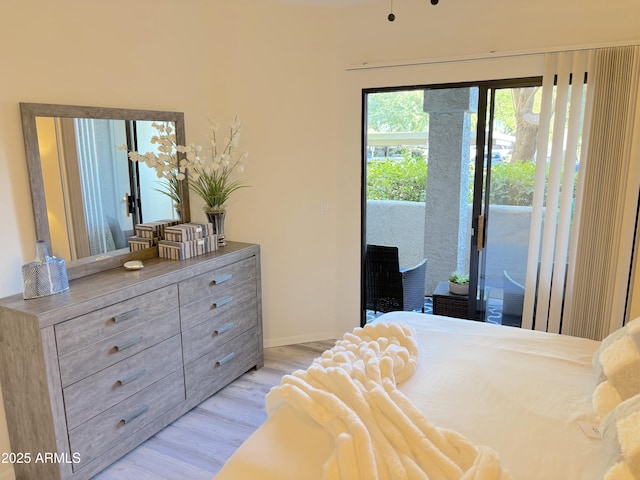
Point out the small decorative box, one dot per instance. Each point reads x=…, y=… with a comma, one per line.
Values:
x=188, y=231
x=139, y=243
x=153, y=229
x=183, y=250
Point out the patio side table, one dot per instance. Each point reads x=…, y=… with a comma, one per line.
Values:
x=452, y=305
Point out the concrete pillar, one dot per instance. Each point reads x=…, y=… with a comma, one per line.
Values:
x=446, y=227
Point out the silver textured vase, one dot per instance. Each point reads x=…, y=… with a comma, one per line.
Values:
x=45, y=275
x=217, y=219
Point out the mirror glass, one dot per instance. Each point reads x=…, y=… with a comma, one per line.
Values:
x=87, y=195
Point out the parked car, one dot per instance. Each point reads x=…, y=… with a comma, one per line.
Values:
x=499, y=153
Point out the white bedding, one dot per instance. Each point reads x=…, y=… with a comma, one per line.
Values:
x=519, y=392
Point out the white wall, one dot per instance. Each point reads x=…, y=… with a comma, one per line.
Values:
x=283, y=86
x=281, y=69
x=87, y=53
x=273, y=67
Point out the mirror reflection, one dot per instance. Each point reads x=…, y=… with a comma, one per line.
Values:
x=87, y=194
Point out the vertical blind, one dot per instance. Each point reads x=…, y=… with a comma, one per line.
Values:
x=599, y=290
x=561, y=122
x=574, y=256
x=97, y=228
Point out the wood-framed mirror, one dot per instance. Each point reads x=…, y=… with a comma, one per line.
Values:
x=87, y=195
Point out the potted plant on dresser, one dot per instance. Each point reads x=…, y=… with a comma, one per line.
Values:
x=211, y=172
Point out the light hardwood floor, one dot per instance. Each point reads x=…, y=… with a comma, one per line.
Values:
x=195, y=446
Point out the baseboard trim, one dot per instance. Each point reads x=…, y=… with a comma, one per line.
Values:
x=312, y=337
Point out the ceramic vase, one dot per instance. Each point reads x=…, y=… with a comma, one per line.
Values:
x=459, y=289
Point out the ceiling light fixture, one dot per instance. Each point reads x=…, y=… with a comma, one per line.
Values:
x=391, y=17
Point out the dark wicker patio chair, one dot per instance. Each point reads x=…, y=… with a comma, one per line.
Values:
x=512, y=301
x=389, y=288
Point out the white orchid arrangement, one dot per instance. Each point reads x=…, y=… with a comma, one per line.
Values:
x=211, y=167
x=208, y=167
x=164, y=161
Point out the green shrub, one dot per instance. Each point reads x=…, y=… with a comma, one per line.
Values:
x=406, y=179
x=512, y=183
x=397, y=179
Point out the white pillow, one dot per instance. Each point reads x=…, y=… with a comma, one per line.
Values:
x=617, y=368
x=621, y=440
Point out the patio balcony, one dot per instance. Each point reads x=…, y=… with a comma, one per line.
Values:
x=402, y=224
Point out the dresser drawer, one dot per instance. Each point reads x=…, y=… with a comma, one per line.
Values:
x=102, y=390
x=89, y=328
x=211, y=283
x=214, y=370
x=216, y=303
x=92, y=358
x=213, y=332
x=94, y=437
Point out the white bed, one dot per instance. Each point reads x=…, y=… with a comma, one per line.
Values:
x=522, y=393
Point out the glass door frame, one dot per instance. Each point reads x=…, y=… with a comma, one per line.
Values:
x=482, y=188
x=480, y=209
x=477, y=262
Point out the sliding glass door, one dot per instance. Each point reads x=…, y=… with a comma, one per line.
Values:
x=446, y=179
x=502, y=199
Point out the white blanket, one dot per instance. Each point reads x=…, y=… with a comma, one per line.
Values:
x=378, y=433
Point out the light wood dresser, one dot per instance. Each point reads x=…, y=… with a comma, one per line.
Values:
x=90, y=373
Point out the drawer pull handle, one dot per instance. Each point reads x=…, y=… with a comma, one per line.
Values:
x=125, y=316
x=222, y=278
x=224, y=328
x=225, y=359
x=222, y=301
x=131, y=377
x=135, y=414
x=128, y=343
